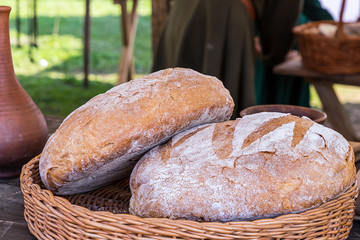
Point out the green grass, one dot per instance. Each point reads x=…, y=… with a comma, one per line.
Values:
x=52, y=74
x=346, y=94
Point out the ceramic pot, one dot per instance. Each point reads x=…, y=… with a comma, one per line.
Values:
x=23, y=129
x=313, y=114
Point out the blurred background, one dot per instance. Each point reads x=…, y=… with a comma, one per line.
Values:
x=351, y=12
x=52, y=71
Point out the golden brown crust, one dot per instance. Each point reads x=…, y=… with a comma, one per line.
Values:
x=100, y=141
x=262, y=165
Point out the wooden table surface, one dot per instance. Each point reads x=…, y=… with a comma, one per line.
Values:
x=12, y=223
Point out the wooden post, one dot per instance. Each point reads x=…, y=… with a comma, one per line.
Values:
x=333, y=108
x=129, y=27
x=35, y=24
x=18, y=23
x=86, y=43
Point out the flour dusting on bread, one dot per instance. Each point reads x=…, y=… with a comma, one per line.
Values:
x=264, y=164
x=101, y=141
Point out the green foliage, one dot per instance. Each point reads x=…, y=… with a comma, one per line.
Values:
x=60, y=95
x=52, y=74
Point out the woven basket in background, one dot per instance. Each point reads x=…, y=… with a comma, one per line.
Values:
x=103, y=214
x=329, y=55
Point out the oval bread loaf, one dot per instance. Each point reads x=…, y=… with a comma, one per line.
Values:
x=101, y=141
x=262, y=165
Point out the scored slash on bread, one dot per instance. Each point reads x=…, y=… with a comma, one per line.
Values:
x=300, y=129
x=261, y=165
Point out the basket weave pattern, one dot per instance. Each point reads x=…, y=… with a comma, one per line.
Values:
x=338, y=55
x=103, y=214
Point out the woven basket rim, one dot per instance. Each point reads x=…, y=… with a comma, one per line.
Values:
x=26, y=181
x=299, y=31
x=328, y=55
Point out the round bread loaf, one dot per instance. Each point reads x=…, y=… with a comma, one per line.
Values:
x=262, y=165
x=101, y=141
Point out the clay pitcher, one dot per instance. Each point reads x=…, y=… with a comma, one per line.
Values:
x=23, y=129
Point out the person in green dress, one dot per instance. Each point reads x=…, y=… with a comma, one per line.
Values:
x=277, y=89
x=216, y=37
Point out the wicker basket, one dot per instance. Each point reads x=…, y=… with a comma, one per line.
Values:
x=103, y=214
x=329, y=55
